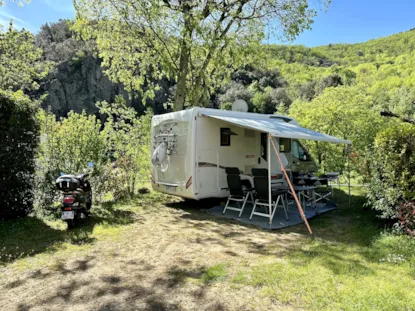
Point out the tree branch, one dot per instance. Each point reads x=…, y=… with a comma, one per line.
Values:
x=157, y=35
x=385, y=113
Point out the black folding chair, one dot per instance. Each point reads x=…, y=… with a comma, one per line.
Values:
x=237, y=192
x=262, y=195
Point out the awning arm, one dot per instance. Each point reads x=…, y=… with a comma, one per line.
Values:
x=300, y=209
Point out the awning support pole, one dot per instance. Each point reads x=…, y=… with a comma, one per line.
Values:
x=300, y=209
x=269, y=183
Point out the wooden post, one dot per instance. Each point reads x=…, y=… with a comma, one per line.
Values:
x=300, y=209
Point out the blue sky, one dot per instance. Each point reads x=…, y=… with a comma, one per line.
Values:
x=346, y=21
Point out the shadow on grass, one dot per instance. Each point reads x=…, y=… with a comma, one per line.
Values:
x=29, y=236
x=338, y=235
x=117, y=291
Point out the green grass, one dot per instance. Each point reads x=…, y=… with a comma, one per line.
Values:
x=350, y=265
x=214, y=273
x=32, y=236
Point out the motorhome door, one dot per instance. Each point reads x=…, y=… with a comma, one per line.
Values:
x=207, y=171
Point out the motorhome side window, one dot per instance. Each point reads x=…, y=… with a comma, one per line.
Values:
x=299, y=152
x=225, y=136
x=285, y=145
x=264, y=144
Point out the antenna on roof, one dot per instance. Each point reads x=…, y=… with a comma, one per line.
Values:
x=240, y=105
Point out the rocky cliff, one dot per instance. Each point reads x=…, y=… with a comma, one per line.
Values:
x=78, y=85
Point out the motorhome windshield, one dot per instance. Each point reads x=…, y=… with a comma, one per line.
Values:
x=299, y=152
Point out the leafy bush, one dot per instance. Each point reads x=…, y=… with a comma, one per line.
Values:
x=344, y=112
x=268, y=101
x=67, y=145
x=129, y=141
x=235, y=91
x=19, y=61
x=393, y=169
x=18, y=140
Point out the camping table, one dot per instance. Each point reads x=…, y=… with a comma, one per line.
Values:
x=300, y=190
x=309, y=180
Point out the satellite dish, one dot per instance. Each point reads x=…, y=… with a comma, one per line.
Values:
x=240, y=105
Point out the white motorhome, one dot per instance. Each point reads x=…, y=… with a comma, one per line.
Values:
x=192, y=148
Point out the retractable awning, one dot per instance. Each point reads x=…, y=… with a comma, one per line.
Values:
x=278, y=127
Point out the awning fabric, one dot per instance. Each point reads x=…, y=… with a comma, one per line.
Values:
x=278, y=128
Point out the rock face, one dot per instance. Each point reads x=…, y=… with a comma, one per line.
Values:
x=78, y=85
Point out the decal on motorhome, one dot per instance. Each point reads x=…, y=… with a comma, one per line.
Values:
x=189, y=182
x=207, y=164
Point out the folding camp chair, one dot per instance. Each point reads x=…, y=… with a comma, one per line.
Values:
x=262, y=195
x=322, y=193
x=237, y=192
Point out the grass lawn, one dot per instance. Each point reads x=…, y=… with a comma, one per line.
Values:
x=160, y=253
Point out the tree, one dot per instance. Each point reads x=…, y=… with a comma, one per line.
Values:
x=18, y=140
x=19, y=2
x=58, y=43
x=67, y=145
x=19, y=66
x=129, y=140
x=233, y=92
x=197, y=43
x=344, y=112
x=393, y=179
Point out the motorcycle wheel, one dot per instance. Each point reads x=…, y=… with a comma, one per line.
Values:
x=71, y=223
x=89, y=202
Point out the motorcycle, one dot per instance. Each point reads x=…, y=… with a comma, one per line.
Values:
x=77, y=197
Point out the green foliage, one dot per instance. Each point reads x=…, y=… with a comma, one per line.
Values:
x=196, y=45
x=119, y=149
x=128, y=139
x=270, y=100
x=344, y=112
x=18, y=140
x=232, y=92
x=393, y=179
x=332, y=80
x=67, y=146
x=58, y=43
x=19, y=65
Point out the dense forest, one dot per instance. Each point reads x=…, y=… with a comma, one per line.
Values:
x=364, y=92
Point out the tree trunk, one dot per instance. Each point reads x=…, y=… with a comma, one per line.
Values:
x=181, y=86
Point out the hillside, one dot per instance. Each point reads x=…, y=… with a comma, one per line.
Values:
x=382, y=67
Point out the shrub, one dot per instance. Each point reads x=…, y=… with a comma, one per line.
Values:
x=128, y=137
x=406, y=216
x=18, y=140
x=67, y=146
x=393, y=169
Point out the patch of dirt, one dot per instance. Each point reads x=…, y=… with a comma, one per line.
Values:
x=155, y=265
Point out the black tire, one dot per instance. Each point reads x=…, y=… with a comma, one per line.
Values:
x=71, y=223
x=89, y=202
